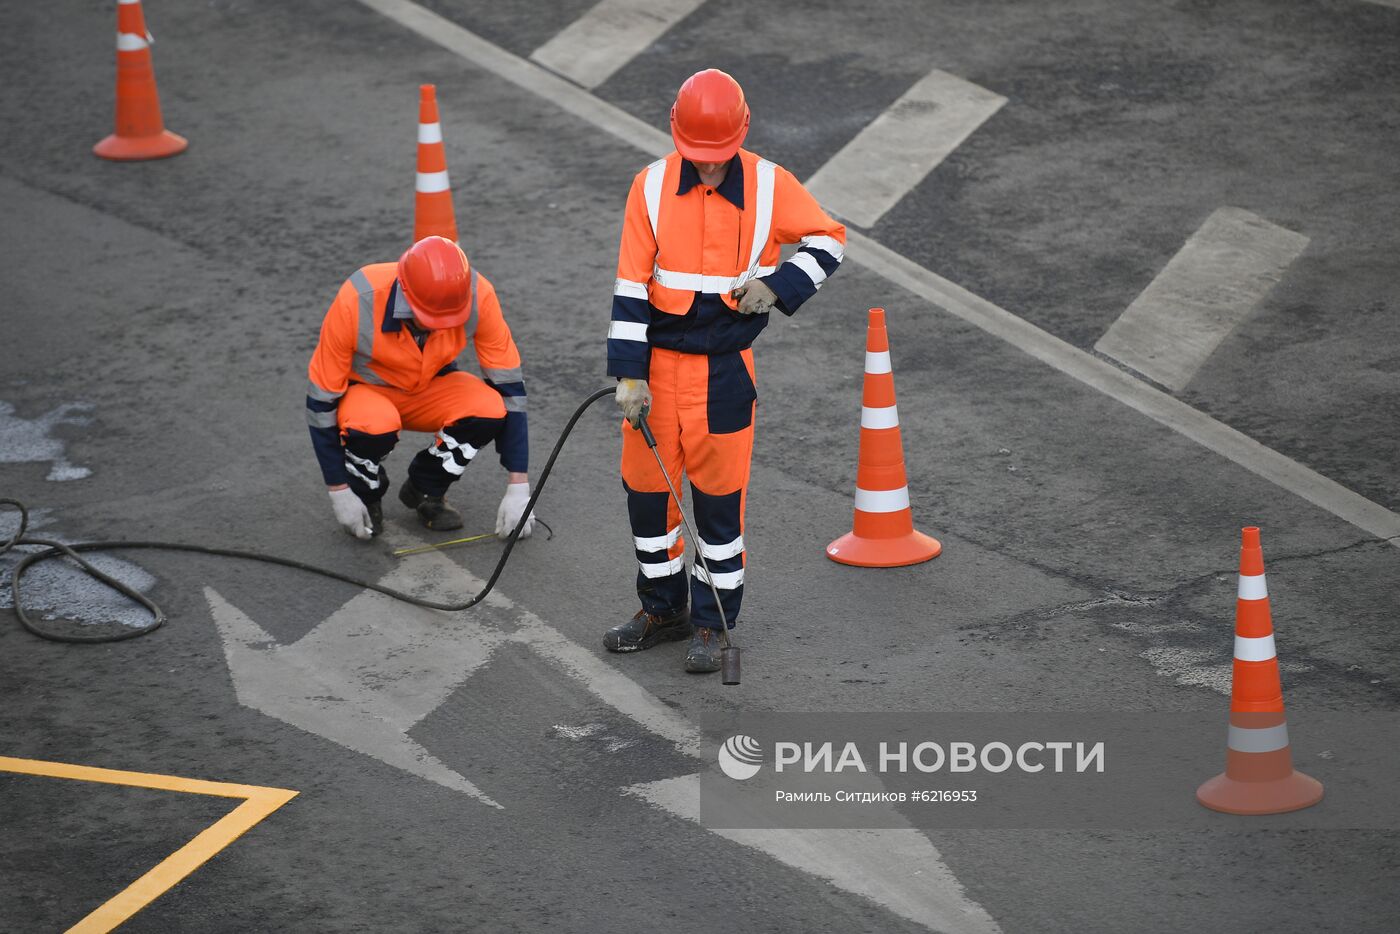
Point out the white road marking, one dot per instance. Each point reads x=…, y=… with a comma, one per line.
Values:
x=518, y=71
x=1094, y=372
x=1106, y=378
x=594, y=46
x=1394, y=4
x=1201, y=295
x=875, y=170
x=25, y=441
x=897, y=869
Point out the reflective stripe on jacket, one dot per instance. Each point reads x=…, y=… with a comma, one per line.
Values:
x=361, y=341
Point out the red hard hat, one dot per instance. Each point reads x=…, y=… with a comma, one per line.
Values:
x=437, y=281
x=709, y=118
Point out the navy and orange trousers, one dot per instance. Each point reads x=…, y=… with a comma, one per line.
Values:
x=702, y=415
x=462, y=411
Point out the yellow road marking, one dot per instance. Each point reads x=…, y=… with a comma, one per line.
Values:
x=258, y=803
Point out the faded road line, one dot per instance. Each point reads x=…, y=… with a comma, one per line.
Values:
x=900, y=147
x=1094, y=372
x=1201, y=295
x=258, y=803
x=607, y=37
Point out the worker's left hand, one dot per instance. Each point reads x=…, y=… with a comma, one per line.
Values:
x=512, y=507
x=754, y=298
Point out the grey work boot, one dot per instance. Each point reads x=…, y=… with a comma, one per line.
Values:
x=645, y=630
x=703, y=656
x=433, y=511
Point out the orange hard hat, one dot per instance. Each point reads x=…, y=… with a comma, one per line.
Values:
x=437, y=281
x=709, y=118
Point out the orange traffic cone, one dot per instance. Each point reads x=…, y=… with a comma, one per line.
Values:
x=432, y=201
x=140, y=132
x=883, y=534
x=1258, y=776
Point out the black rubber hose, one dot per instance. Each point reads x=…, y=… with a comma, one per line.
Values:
x=59, y=549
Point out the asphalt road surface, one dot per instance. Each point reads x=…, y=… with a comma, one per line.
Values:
x=498, y=770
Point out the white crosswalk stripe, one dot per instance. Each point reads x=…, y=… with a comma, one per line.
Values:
x=900, y=147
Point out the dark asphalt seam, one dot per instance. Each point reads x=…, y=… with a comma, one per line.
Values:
x=1202, y=633
x=1118, y=598
x=93, y=205
x=1160, y=387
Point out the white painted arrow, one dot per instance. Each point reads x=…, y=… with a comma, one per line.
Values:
x=364, y=676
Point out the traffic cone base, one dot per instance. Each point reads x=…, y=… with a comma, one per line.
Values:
x=135, y=148
x=1232, y=796
x=913, y=548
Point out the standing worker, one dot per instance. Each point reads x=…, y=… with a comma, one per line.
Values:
x=697, y=275
x=387, y=361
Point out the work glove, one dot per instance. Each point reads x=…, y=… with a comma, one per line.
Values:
x=512, y=507
x=351, y=513
x=754, y=298
x=633, y=396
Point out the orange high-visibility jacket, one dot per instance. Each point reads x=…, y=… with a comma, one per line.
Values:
x=686, y=247
x=362, y=342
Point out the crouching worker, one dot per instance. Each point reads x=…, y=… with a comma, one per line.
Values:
x=386, y=362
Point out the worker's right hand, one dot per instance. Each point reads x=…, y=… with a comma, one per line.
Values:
x=351, y=513
x=633, y=396
x=754, y=298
